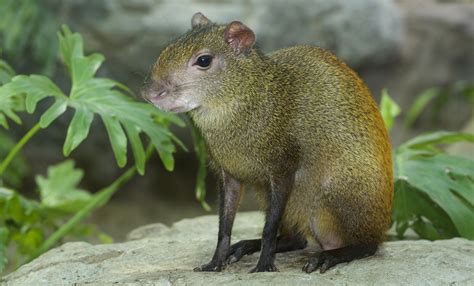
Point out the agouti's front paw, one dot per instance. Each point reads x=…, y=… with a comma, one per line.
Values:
x=269, y=267
x=212, y=266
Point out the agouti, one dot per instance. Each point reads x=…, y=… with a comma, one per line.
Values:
x=297, y=125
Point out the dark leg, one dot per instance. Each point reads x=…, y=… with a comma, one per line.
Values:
x=329, y=258
x=246, y=247
x=228, y=203
x=280, y=189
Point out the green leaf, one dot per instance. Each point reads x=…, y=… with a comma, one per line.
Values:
x=167, y=159
x=389, y=109
x=464, y=187
x=17, y=208
x=10, y=103
x=90, y=96
x=78, y=129
x=84, y=68
x=419, y=105
x=410, y=204
x=117, y=139
x=70, y=45
x=3, y=247
x=59, y=190
x=439, y=137
x=53, y=112
x=105, y=238
x=105, y=98
x=433, y=176
x=6, y=72
x=137, y=147
x=36, y=87
x=425, y=229
x=201, y=152
x=29, y=240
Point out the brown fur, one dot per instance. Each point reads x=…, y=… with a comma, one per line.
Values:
x=297, y=109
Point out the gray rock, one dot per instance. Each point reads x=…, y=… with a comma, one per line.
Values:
x=132, y=33
x=166, y=256
x=360, y=32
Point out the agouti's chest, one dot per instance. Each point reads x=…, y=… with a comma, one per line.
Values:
x=246, y=141
x=239, y=153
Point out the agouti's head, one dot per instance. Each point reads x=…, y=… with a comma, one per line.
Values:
x=195, y=69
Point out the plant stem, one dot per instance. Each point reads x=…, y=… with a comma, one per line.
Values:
x=18, y=147
x=99, y=199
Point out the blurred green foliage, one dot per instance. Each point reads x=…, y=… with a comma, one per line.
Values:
x=18, y=168
x=27, y=33
x=434, y=191
x=437, y=98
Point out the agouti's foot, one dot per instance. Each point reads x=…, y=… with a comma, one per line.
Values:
x=270, y=267
x=329, y=258
x=212, y=266
x=242, y=248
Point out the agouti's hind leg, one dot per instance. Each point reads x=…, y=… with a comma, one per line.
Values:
x=329, y=258
x=246, y=247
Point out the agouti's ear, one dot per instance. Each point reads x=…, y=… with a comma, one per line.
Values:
x=199, y=19
x=239, y=37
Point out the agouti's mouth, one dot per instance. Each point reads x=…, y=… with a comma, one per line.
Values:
x=168, y=98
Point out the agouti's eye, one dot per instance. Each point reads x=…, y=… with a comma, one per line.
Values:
x=204, y=61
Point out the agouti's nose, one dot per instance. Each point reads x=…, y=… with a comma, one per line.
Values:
x=154, y=90
x=162, y=93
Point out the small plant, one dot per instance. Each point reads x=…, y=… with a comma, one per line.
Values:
x=434, y=191
x=34, y=226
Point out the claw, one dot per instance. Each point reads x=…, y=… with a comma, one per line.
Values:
x=265, y=268
x=232, y=259
x=311, y=265
x=329, y=258
x=210, y=267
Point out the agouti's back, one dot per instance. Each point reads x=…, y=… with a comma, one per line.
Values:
x=344, y=144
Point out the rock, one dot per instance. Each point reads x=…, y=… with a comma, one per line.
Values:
x=436, y=52
x=166, y=256
x=360, y=32
x=132, y=33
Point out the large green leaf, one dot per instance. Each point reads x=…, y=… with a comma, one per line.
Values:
x=430, y=139
x=444, y=179
x=389, y=109
x=59, y=190
x=412, y=208
x=78, y=129
x=89, y=96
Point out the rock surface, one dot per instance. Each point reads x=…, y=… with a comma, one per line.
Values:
x=161, y=255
